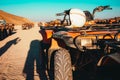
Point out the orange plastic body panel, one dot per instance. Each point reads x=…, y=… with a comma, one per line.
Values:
x=73, y=34
x=101, y=32
x=46, y=34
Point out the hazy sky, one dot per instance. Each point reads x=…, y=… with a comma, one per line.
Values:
x=45, y=10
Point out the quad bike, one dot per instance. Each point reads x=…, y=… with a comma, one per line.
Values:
x=80, y=53
x=26, y=26
x=6, y=29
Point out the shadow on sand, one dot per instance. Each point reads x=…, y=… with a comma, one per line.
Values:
x=8, y=45
x=34, y=62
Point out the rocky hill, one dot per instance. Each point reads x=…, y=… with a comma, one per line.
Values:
x=11, y=18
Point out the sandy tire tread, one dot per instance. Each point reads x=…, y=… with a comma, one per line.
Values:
x=62, y=65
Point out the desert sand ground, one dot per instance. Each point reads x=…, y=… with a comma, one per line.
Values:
x=20, y=57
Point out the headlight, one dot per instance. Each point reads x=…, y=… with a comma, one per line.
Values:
x=86, y=42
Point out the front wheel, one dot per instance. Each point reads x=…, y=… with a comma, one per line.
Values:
x=62, y=65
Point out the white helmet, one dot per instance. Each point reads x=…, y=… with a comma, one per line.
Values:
x=77, y=18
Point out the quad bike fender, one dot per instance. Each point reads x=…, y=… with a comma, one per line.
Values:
x=54, y=46
x=46, y=34
x=109, y=60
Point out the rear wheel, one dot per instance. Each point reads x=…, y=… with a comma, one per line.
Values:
x=62, y=65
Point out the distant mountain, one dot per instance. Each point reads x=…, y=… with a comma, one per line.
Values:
x=11, y=18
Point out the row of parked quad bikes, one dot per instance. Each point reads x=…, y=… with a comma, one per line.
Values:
x=8, y=29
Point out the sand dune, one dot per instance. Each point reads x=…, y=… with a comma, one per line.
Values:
x=11, y=18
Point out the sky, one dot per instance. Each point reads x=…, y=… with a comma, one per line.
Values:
x=45, y=10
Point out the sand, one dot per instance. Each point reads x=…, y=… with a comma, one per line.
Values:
x=20, y=56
